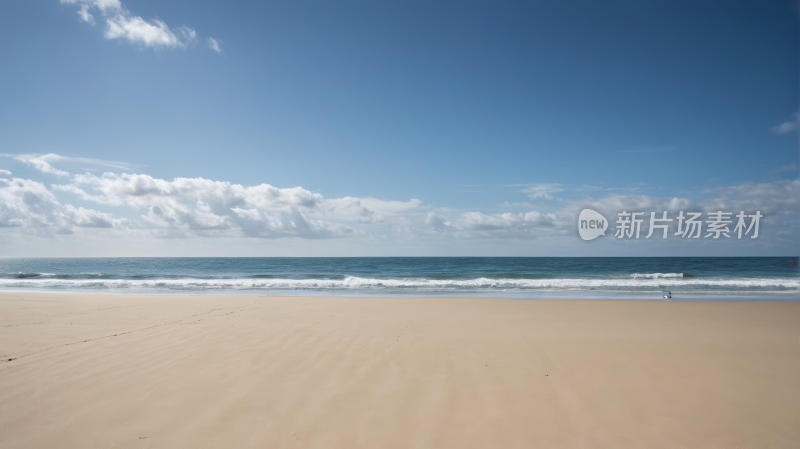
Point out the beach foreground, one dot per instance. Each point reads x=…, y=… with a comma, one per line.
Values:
x=268, y=371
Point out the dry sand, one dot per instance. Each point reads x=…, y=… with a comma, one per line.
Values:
x=282, y=372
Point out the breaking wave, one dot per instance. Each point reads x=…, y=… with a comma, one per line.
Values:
x=636, y=282
x=657, y=275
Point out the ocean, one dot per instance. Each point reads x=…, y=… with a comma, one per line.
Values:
x=687, y=278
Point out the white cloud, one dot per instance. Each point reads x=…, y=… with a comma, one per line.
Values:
x=778, y=201
x=96, y=164
x=476, y=221
x=121, y=24
x=197, y=206
x=291, y=223
x=543, y=190
x=41, y=162
x=438, y=222
x=102, y=5
x=202, y=208
x=141, y=191
x=214, y=44
x=369, y=210
x=30, y=206
x=614, y=203
x=85, y=15
x=137, y=30
x=780, y=197
x=785, y=127
x=189, y=34
x=525, y=225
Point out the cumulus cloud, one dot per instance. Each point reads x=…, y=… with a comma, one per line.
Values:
x=137, y=30
x=122, y=24
x=183, y=207
x=778, y=201
x=525, y=225
x=438, y=222
x=30, y=205
x=203, y=208
x=214, y=44
x=291, y=223
x=197, y=206
x=476, y=221
x=612, y=204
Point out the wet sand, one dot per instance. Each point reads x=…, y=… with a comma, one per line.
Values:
x=331, y=372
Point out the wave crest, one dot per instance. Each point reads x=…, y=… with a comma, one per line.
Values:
x=657, y=275
x=649, y=282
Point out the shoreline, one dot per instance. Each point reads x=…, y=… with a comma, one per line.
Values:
x=677, y=296
x=259, y=370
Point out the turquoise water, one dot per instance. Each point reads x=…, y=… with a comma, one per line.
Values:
x=688, y=278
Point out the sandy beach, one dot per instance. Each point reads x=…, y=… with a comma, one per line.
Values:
x=283, y=372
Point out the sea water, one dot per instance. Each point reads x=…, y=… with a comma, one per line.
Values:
x=687, y=278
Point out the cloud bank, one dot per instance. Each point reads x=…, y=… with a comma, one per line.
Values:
x=128, y=205
x=31, y=206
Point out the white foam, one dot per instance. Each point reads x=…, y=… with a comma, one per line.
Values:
x=656, y=275
x=639, y=282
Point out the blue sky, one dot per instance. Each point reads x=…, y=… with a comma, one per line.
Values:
x=411, y=109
